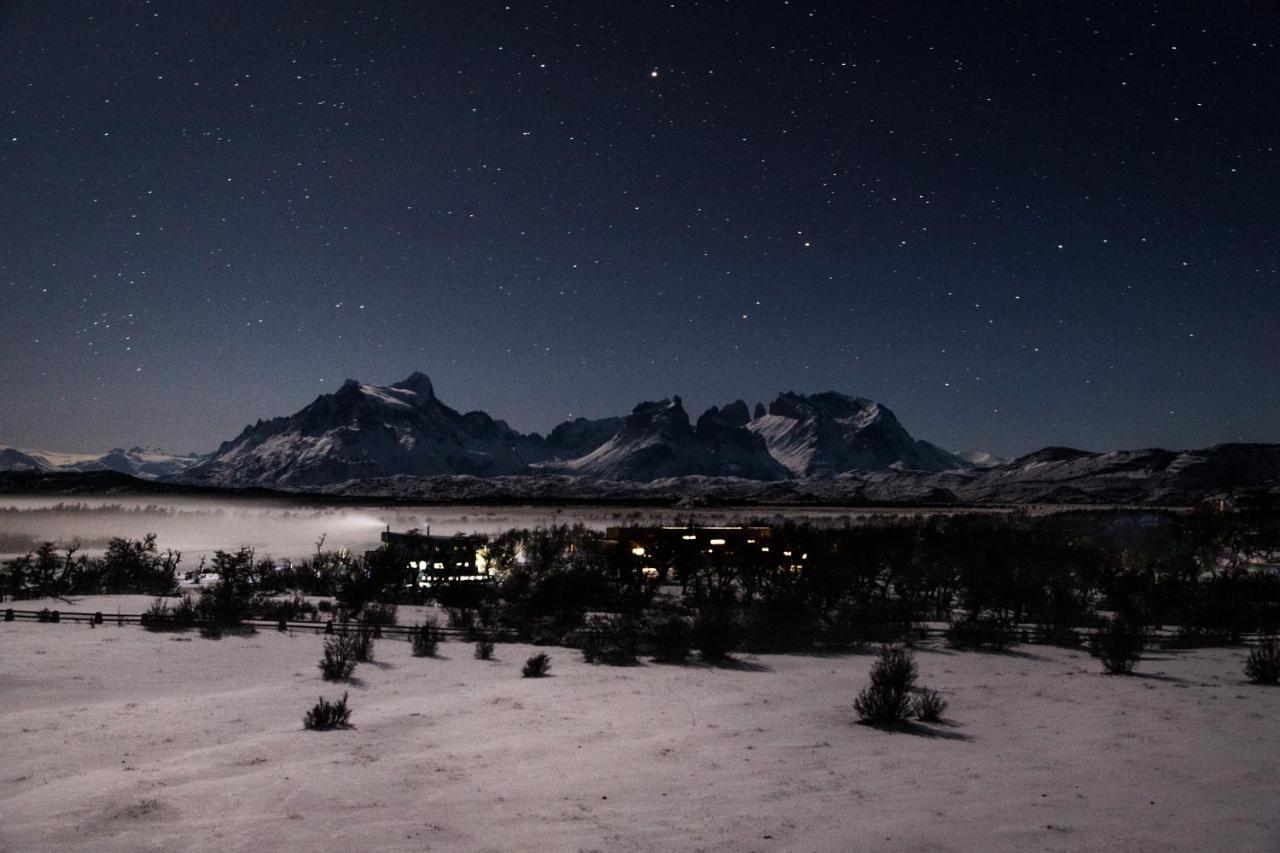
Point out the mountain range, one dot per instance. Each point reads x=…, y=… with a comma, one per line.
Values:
x=401, y=440
x=366, y=431
x=144, y=462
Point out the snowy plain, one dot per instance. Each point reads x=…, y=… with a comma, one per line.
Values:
x=116, y=739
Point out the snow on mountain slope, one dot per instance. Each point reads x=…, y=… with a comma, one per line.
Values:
x=830, y=433
x=364, y=431
x=982, y=459
x=12, y=459
x=1065, y=475
x=144, y=462
x=655, y=441
x=580, y=436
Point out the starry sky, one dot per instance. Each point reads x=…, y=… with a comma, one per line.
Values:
x=1015, y=224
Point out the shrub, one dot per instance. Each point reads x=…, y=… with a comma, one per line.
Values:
x=980, y=632
x=484, y=649
x=777, y=623
x=160, y=616
x=1119, y=644
x=537, y=666
x=378, y=614
x=339, y=658
x=326, y=715
x=231, y=599
x=426, y=639
x=1047, y=634
x=929, y=705
x=294, y=608
x=1195, y=637
x=611, y=641
x=671, y=639
x=156, y=617
x=888, y=699
x=461, y=618
x=1263, y=664
x=324, y=606
x=185, y=613
x=715, y=634
x=362, y=643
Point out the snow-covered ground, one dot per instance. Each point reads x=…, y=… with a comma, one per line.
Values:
x=120, y=739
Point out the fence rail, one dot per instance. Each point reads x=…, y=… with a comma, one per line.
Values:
x=1164, y=635
x=330, y=626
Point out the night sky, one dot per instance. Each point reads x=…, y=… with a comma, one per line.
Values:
x=1014, y=224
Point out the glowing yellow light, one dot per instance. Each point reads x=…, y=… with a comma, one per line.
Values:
x=638, y=551
x=717, y=541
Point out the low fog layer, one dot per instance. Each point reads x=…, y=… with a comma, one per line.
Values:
x=197, y=526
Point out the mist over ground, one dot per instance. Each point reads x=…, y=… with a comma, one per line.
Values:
x=200, y=526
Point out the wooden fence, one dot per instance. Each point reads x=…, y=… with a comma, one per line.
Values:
x=1164, y=636
x=329, y=626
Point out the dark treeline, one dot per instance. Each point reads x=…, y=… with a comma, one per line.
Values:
x=990, y=575
x=986, y=574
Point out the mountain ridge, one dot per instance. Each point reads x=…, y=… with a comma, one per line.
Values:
x=363, y=431
x=820, y=447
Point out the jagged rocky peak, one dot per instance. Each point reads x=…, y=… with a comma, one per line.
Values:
x=760, y=411
x=580, y=436
x=715, y=420
x=829, y=403
x=362, y=431
x=417, y=382
x=659, y=415
x=830, y=433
